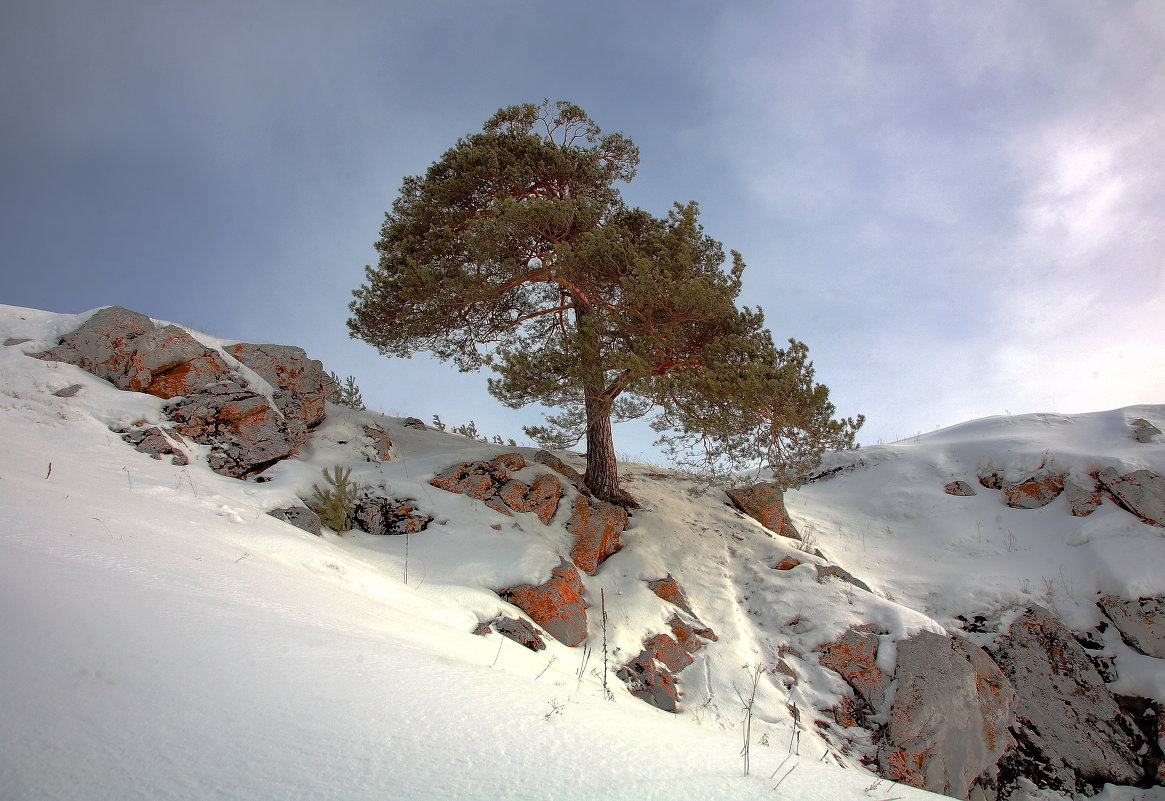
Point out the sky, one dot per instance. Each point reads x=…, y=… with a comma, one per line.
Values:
x=957, y=206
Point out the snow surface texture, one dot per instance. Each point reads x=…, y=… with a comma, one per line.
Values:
x=164, y=638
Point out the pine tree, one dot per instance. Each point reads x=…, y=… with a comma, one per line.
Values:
x=516, y=251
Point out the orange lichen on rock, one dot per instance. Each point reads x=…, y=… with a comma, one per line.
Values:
x=597, y=526
x=556, y=605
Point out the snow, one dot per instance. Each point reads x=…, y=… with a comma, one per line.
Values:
x=166, y=639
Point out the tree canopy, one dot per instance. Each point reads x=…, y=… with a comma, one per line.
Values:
x=516, y=251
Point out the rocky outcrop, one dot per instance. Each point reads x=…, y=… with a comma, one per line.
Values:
x=491, y=483
x=1071, y=735
x=1141, y=623
x=826, y=572
x=765, y=503
x=1143, y=430
x=1084, y=497
x=1034, y=491
x=379, y=441
x=377, y=514
x=556, y=605
x=949, y=719
x=960, y=488
x=650, y=681
x=597, y=526
x=854, y=657
x=300, y=517
x=212, y=403
x=1141, y=492
x=669, y=590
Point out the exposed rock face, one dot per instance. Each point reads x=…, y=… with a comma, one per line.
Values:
x=826, y=572
x=380, y=441
x=948, y=723
x=490, y=482
x=854, y=656
x=597, y=526
x=562, y=468
x=245, y=432
x=690, y=636
x=786, y=563
x=1071, y=733
x=214, y=405
x=1033, y=492
x=1142, y=492
x=376, y=514
x=415, y=423
x=961, y=488
x=650, y=681
x=1141, y=623
x=300, y=517
x=765, y=503
x=557, y=605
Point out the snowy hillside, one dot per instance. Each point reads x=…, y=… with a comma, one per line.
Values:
x=166, y=638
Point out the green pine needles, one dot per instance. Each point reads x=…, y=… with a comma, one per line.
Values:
x=334, y=502
x=516, y=251
x=346, y=393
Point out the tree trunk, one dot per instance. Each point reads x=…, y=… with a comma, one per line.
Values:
x=602, y=474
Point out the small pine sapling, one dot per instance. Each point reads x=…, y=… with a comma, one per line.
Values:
x=334, y=503
x=346, y=393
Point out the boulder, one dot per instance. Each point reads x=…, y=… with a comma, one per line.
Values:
x=69, y=391
x=1033, y=492
x=960, y=488
x=690, y=636
x=1071, y=733
x=509, y=461
x=556, y=605
x=650, y=681
x=380, y=515
x=415, y=423
x=949, y=718
x=300, y=517
x=541, y=497
x=854, y=657
x=562, y=468
x=303, y=383
x=245, y=432
x=156, y=442
x=380, y=441
x=765, y=503
x=669, y=651
x=1084, y=499
x=1143, y=430
x=517, y=629
x=826, y=572
x=597, y=526
x=786, y=563
x=992, y=480
x=102, y=345
x=1141, y=623
x=669, y=590
x=1141, y=492
x=490, y=482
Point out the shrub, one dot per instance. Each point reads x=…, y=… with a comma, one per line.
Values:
x=334, y=503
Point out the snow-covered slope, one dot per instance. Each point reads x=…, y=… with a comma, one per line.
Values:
x=165, y=638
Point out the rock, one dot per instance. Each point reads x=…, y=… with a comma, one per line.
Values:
x=1141, y=623
x=648, y=680
x=1141, y=492
x=479, y=480
x=787, y=563
x=1083, y=500
x=305, y=384
x=377, y=514
x=1033, y=492
x=300, y=517
x=556, y=605
x=515, y=628
x=826, y=572
x=991, y=480
x=765, y=503
x=950, y=716
x=854, y=657
x=415, y=423
x=690, y=636
x=669, y=590
x=597, y=526
x=381, y=443
x=156, y=442
x=562, y=468
x=541, y=497
x=670, y=653
x=69, y=391
x=509, y=461
x=8, y=343
x=245, y=432
x=1143, y=430
x=101, y=345
x=961, y=488
x=1069, y=726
